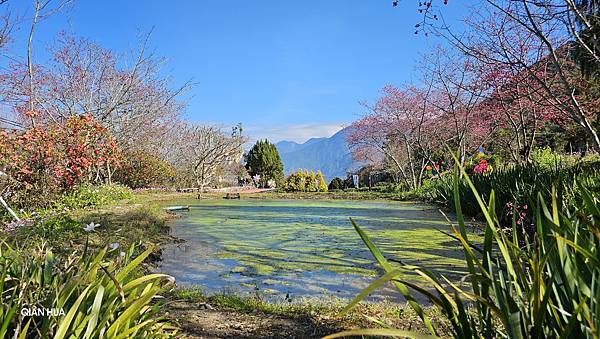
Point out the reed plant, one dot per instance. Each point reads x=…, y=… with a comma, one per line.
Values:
x=85, y=295
x=543, y=285
x=516, y=185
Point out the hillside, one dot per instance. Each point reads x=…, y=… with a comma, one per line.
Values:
x=330, y=155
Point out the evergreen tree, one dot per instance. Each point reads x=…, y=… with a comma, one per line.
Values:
x=322, y=185
x=264, y=160
x=336, y=184
x=301, y=181
x=311, y=181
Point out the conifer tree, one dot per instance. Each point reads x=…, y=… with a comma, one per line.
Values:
x=322, y=185
x=264, y=160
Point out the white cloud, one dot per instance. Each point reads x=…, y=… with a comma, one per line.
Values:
x=298, y=133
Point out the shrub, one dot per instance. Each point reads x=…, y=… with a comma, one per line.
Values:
x=141, y=169
x=304, y=181
x=295, y=182
x=44, y=162
x=518, y=185
x=336, y=184
x=94, y=196
x=428, y=190
x=546, y=287
x=98, y=296
x=547, y=159
x=388, y=187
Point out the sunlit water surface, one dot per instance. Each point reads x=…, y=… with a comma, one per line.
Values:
x=291, y=249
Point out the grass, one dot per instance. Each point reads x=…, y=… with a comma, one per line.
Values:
x=139, y=219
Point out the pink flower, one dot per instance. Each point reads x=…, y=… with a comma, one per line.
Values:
x=482, y=167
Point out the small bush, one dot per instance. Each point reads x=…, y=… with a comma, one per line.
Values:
x=336, y=184
x=95, y=196
x=305, y=181
x=547, y=159
x=51, y=226
x=142, y=169
x=43, y=163
x=386, y=187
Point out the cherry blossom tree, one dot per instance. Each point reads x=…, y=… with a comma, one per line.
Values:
x=396, y=129
x=410, y=128
x=540, y=41
x=517, y=109
x=127, y=95
x=457, y=94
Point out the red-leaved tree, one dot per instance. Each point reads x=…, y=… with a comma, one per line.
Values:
x=42, y=163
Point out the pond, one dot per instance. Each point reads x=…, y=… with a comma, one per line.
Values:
x=293, y=249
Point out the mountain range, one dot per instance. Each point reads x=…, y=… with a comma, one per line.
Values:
x=329, y=155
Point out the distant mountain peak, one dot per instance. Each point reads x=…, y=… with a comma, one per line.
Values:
x=329, y=155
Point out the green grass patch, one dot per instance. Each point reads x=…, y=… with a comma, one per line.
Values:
x=319, y=311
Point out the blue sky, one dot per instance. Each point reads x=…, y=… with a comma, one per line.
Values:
x=285, y=69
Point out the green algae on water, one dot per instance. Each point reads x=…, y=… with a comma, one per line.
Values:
x=305, y=247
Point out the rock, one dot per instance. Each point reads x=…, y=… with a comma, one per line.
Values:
x=205, y=306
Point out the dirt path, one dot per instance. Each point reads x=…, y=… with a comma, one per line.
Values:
x=240, y=189
x=200, y=320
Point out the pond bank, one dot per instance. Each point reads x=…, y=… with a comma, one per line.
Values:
x=229, y=316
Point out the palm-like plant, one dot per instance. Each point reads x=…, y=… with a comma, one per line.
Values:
x=545, y=285
x=99, y=297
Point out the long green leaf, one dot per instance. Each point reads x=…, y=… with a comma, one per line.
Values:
x=372, y=287
x=384, y=332
x=65, y=322
x=91, y=325
x=400, y=286
x=133, y=264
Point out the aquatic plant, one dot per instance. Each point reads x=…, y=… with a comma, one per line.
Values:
x=519, y=287
x=517, y=185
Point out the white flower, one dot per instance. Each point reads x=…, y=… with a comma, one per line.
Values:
x=122, y=254
x=90, y=227
x=113, y=246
